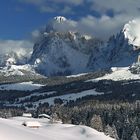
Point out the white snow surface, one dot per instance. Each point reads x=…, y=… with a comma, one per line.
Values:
x=77, y=75
x=132, y=32
x=119, y=74
x=68, y=97
x=60, y=19
x=25, y=86
x=14, y=130
x=17, y=70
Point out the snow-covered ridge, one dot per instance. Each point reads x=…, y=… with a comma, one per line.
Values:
x=119, y=74
x=131, y=31
x=17, y=70
x=25, y=86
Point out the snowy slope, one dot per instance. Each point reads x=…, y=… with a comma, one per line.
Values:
x=19, y=57
x=16, y=70
x=65, y=98
x=132, y=32
x=25, y=86
x=13, y=130
x=119, y=74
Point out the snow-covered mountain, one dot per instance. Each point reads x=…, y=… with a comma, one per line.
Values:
x=60, y=52
x=121, y=50
x=12, y=58
x=131, y=32
x=125, y=46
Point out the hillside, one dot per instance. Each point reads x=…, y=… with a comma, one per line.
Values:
x=16, y=131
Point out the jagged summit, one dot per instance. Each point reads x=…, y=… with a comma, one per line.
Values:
x=131, y=32
x=59, y=19
x=58, y=23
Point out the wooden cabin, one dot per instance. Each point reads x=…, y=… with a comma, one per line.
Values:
x=32, y=124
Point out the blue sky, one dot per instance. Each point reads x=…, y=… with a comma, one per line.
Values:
x=20, y=17
x=101, y=18
x=18, y=20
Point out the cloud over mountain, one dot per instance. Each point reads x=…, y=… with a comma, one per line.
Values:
x=97, y=17
x=20, y=47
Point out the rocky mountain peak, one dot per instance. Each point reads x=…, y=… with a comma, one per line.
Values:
x=131, y=32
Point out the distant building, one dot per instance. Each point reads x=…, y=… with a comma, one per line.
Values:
x=32, y=124
x=28, y=115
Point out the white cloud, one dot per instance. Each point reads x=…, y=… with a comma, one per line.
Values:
x=20, y=47
x=34, y=2
x=74, y=2
x=129, y=7
x=52, y=6
x=102, y=27
x=41, y=2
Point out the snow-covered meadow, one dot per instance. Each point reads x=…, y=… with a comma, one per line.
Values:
x=12, y=129
x=24, y=86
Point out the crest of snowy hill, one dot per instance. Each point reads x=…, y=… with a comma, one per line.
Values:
x=47, y=131
x=63, y=52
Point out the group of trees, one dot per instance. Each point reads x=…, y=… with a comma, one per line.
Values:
x=120, y=120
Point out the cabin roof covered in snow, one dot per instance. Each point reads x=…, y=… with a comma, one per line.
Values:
x=32, y=123
x=27, y=115
x=44, y=115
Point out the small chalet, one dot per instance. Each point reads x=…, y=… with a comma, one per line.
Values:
x=32, y=124
x=28, y=115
